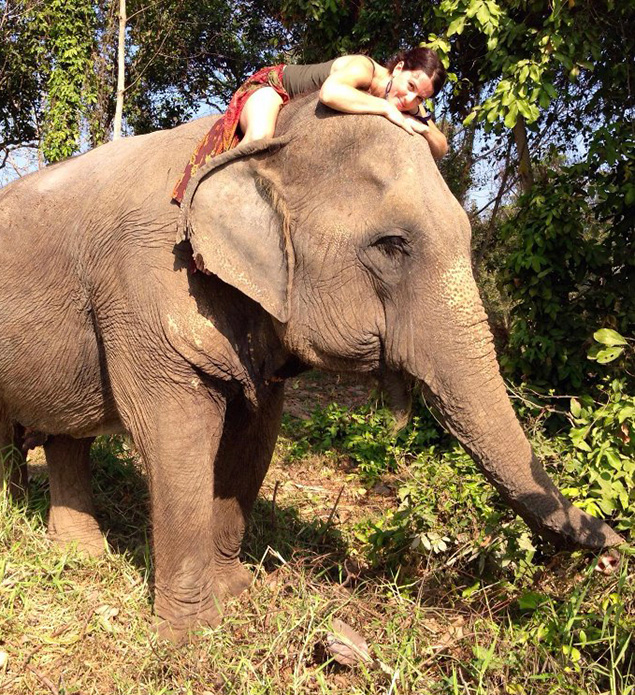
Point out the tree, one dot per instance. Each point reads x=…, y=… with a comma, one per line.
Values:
x=58, y=78
x=121, y=69
x=19, y=78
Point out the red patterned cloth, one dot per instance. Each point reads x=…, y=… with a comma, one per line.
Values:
x=223, y=135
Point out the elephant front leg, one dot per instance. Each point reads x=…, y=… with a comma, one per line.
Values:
x=179, y=442
x=72, y=515
x=242, y=463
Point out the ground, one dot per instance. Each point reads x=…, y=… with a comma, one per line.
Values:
x=435, y=621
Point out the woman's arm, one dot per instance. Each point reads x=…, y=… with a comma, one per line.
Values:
x=345, y=90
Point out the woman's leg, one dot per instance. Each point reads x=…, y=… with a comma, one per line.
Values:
x=259, y=114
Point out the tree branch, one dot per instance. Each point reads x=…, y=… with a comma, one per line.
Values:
x=121, y=70
x=487, y=239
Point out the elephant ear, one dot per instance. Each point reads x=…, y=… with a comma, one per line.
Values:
x=236, y=225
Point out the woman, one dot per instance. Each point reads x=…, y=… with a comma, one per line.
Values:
x=352, y=84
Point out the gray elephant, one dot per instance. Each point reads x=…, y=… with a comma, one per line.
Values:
x=336, y=245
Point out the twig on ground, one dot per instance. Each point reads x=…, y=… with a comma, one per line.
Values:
x=328, y=521
x=273, y=505
x=44, y=680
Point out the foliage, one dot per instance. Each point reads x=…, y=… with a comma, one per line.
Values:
x=600, y=456
x=66, y=53
x=322, y=29
x=19, y=84
x=592, y=460
x=571, y=263
x=525, y=45
x=58, y=66
x=365, y=436
x=438, y=483
x=184, y=54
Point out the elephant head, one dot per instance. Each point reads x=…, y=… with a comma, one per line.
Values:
x=344, y=231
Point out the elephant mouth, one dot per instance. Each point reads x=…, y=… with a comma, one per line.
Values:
x=397, y=389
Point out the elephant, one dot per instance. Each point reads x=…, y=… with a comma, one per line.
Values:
x=334, y=245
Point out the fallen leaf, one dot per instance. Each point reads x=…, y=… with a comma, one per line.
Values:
x=105, y=613
x=4, y=659
x=453, y=633
x=346, y=645
x=381, y=489
x=608, y=563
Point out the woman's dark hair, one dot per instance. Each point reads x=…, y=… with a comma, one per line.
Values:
x=424, y=59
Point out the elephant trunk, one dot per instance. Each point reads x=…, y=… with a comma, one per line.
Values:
x=460, y=377
x=505, y=456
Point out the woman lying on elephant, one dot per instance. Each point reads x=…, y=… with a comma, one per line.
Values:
x=352, y=84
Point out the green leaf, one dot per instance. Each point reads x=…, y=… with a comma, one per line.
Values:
x=512, y=116
x=577, y=437
x=575, y=407
x=607, y=505
x=572, y=652
x=530, y=600
x=592, y=354
x=524, y=109
x=483, y=15
x=609, y=354
x=456, y=26
x=550, y=89
x=607, y=336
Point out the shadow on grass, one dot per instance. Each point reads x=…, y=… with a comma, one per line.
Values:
x=282, y=529
x=122, y=503
x=120, y=494
x=123, y=510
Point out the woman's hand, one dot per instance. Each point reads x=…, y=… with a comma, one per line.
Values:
x=409, y=124
x=436, y=139
x=417, y=125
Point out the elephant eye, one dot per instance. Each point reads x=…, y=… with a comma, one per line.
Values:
x=392, y=245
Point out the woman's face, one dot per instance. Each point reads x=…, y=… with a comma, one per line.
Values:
x=409, y=88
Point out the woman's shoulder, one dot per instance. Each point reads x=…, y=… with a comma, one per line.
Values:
x=355, y=62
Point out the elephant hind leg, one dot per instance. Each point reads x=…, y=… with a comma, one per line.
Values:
x=12, y=458
x=72, y=515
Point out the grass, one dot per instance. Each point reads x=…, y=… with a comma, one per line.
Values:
x=491, y=613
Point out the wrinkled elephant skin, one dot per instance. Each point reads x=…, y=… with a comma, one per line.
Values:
x=337, y=245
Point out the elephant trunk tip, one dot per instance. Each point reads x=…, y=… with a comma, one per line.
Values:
x=580, y=530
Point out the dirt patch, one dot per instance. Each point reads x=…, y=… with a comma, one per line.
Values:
x=303, y=394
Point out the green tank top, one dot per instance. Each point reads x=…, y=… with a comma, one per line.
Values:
x=300, y=79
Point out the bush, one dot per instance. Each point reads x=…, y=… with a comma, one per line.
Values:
x=364, y=436
x=571, y=267
x=599, y=454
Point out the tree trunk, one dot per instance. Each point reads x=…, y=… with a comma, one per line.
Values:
x=524, y=160
x=121, y=70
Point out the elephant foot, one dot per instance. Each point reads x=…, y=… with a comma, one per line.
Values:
x=69, y=527
x=232, y=578
x=178, y=622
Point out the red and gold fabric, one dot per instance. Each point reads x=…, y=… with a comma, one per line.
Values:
x=224, y=134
